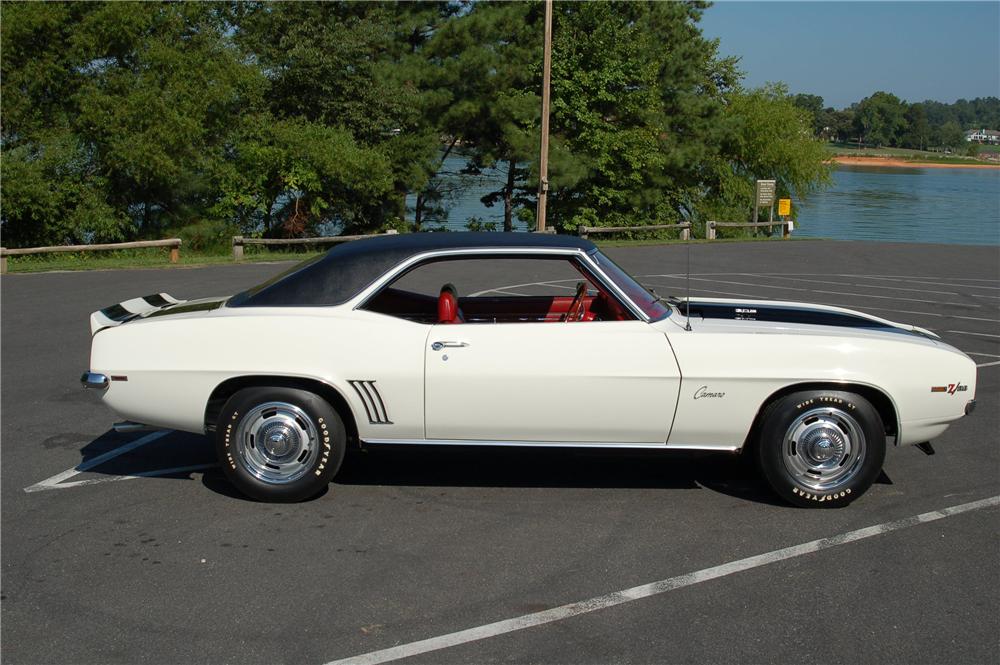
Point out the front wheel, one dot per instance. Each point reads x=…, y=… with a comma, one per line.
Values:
x=821, y=449
x=279, y=444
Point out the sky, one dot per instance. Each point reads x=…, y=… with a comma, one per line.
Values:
x=845, y=51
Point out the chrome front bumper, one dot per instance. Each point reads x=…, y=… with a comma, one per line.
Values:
x=93, y=381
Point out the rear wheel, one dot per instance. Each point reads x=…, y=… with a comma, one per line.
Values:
x=279, y=444
x=821, y=449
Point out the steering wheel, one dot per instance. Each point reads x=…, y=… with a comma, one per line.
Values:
x=577, y=307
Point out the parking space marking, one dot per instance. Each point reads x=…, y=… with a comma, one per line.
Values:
x=988, y=355
x=652, y=589
x=988, y=364
x=500, y=289
x=874, y=309
x=977, y=334
x=866, y=286
x=835, y=293
x=56, y=481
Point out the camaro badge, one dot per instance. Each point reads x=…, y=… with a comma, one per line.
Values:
x=951, y=388
x=704, y=392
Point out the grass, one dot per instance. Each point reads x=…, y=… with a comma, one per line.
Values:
x=158, y=258
x=904, y=154
x=143, y=258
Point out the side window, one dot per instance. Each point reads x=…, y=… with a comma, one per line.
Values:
x=496, y=289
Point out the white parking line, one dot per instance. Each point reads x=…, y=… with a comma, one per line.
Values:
x=874, y=309
x=56, y=481
x=835, y=293
x=977, y=334
x=976, y=353
x=867, y=286
x=653, y=588
x=997, y=362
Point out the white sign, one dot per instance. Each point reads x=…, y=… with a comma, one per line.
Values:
x=765, y=193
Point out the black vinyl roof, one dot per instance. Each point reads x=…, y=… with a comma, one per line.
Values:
x=340, y=274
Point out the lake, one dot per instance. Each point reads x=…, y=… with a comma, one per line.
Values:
x=954, y=206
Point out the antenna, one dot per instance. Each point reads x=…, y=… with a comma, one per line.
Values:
x=687, y=309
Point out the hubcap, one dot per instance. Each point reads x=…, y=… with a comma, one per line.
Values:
x=824, y=449
x=276, y=442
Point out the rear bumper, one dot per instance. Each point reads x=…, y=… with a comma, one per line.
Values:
x=93, y=381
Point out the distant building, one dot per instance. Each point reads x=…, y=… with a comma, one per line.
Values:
x=983, y=136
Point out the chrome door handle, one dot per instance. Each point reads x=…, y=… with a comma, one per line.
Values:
x=437, y=346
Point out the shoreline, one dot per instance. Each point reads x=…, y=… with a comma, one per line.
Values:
x=892, y=162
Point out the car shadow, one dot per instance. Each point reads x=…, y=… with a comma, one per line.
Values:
x=148, y=453
x=155, y=453
x=557, y=468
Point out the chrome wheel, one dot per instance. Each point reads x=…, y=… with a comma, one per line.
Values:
x=824, y=449
x=276, y=442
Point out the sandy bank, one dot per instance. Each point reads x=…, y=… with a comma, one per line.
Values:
x=899, y=163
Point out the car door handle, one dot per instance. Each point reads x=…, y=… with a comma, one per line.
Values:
x=437, y=346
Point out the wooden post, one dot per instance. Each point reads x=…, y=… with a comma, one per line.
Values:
x=175, y=253
x=582, y=231
x=686, y=233
x=786, y=229
x=3, y=261
x=710, y=232
x=237, y=248
x=543, y=164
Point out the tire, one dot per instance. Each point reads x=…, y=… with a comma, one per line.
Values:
x=821, y=449
x=279, y=444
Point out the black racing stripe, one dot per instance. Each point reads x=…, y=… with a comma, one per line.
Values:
x=118, y=313
x=156, y=300
x=779, y=314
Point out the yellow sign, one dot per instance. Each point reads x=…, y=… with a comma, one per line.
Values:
x=784, y=207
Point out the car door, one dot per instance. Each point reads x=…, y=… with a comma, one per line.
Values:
x=594, y=382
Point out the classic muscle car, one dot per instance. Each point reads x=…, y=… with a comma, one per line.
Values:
x=489, y=339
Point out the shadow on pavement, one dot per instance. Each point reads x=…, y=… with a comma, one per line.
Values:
x=432, y=466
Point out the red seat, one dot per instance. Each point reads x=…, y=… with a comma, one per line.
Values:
x=448, y=311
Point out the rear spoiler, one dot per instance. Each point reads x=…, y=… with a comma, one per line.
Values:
x=115, y=315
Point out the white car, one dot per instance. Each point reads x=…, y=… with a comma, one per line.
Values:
x=552, y=345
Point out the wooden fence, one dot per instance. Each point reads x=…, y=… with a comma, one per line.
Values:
x=173, y=243
x=712, y=226
x=239, y=242
x=684, y=228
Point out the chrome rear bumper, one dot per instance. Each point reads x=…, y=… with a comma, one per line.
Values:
x=93, y=381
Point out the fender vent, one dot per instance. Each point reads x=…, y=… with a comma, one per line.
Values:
x=370, y=397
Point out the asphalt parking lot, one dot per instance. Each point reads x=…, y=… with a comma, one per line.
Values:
x=133, y=548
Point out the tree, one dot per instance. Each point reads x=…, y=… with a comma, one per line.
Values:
x=879, y=119
x=492, y=57
x=360, y=67
x=918, y=130
x=637, y=98
x=813, y=104
x=773, y=140
x=951, y=135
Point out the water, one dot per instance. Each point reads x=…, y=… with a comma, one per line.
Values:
x=951, y=206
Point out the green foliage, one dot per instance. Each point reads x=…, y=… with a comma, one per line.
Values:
x=772, y=139
x=128, y=120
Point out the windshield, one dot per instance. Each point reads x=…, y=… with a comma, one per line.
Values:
x=654, y=308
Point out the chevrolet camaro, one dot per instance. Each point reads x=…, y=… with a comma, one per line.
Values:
x=494, y=339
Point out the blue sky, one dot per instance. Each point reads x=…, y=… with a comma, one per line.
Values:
x=845, y=51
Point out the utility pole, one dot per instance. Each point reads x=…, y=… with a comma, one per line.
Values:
x=543, y=165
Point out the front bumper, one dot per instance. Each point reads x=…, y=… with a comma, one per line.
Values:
x=93, y=381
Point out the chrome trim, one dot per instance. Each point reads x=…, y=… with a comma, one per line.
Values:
x=608, y=282
x=542, y=444
x=127, y=426
x=366, y=294
x=372, y=401
x=93, y=381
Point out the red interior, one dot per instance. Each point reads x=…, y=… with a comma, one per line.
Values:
x=493, y=309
